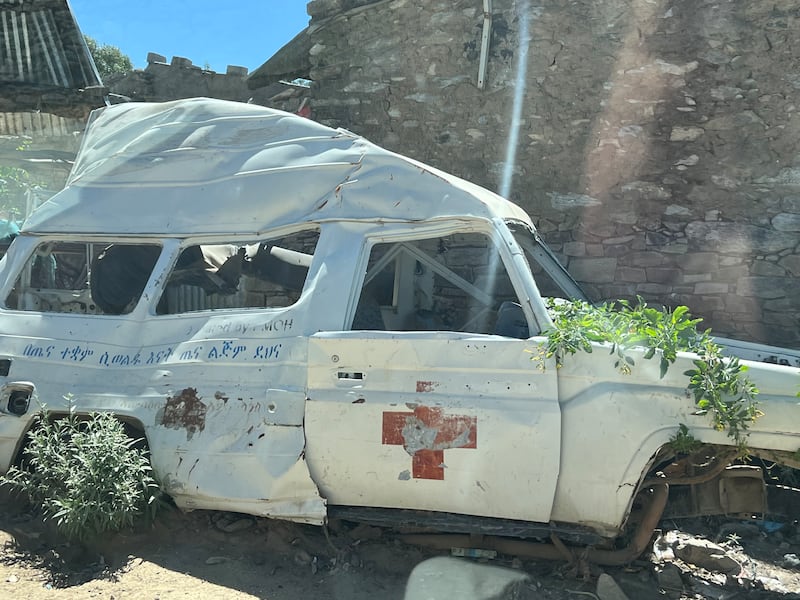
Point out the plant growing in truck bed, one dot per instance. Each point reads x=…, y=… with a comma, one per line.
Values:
x=719, y=384
x=87, y=474
x=683, y=442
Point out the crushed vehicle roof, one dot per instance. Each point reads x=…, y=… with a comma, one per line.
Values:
x=213, y=166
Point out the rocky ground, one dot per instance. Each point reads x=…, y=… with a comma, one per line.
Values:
x=231, y=556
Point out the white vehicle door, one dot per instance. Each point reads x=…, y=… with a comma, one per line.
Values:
x=436, y=399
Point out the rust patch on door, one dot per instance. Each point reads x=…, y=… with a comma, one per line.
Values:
x=184, y=410
x=425, y=434
x=426, y=386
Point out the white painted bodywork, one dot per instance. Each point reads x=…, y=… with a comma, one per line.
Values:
x=514, y=406
x=283, y=411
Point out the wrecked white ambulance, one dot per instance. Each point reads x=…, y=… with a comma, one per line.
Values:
x=303, y=325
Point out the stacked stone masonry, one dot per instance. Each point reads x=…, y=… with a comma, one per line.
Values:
x=657, y=144
x=162, y=81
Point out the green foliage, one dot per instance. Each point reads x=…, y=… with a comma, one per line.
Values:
x=719, y=384
x=14, y=182
x=662, y=332
x=87, y=475
x=683, y=442
x=108, y=59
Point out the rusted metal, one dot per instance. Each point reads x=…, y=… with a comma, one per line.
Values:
x=721, y=460
x=654, y=508
x=562, y=548
x=723, y=488
x=425, y=434
x=184, y=410
x=412, y=521
x=656, y=501
x=789, y=459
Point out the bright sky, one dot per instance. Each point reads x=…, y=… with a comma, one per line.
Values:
x=233, y=32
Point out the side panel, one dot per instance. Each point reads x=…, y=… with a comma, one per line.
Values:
x=433, y=421
x=220, y=396
x=613, y=424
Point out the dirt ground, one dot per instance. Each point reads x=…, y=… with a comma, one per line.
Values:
x=230, y=556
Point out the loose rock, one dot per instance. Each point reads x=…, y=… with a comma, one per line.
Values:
x=302, y=557
x=669, y=580
x=708, y=555
x=446, y=578
x=791, y=561
x=607, y=589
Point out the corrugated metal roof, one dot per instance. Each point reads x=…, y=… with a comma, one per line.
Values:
x=41, y=45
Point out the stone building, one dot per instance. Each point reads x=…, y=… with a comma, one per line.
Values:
x=44, y=62
x=655, y=142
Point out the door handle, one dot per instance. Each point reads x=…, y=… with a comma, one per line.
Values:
x=350, y=375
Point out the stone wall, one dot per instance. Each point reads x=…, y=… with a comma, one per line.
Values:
x=656, y=146
x=161, y=81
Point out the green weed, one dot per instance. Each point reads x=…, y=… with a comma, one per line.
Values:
x=719, y=384
x=86, y=474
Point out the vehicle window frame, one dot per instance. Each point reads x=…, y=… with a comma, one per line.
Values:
x=488, y=230
x=24, y=248
x=241, y=242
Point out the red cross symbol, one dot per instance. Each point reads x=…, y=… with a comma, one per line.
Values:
x=425, y=434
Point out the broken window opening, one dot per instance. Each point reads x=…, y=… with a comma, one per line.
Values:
x=453, y=283
x=84, y=277
x=551, y=277
x=262, y=274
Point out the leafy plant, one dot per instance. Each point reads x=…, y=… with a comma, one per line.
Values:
x=683, y=442
x=662, y=331
x=719, y=384
x=86, y=474
x=15, y=182
x=577, y=325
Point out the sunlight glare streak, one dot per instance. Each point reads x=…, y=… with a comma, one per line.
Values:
x=519, y=93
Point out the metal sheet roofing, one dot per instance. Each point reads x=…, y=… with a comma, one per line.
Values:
x=41, y=45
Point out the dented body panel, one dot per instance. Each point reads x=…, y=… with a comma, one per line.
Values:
x=296, y=319
x=458, y=416
x=220, y=400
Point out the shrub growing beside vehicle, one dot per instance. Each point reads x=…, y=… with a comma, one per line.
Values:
x=86, y=474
